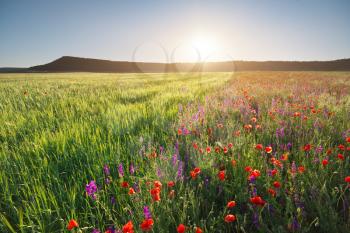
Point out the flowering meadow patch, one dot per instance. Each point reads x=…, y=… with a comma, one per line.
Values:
x=261, y=152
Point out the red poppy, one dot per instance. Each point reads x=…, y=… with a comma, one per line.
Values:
x=301, y=169
x=231, y=204
x=198, y=230
x=259, y=146
x=171, y=184
x=276, y=184
x=324, y=162
x=195, y=172
x=268, y=149
x=230, y=145
x=341, y=147
x=221, y=175
x=257, y=200
x=329, y=151
x=155, y=193
x=230, y=218
x=225, y=150
x=347, y=179
x=125, y=184
x=179, y=131
x=147, y=224
x=307, y=147
x=208, y=149
x=217, y=149
x=248, y=169
x=195, y=146
x=181, y=228
x=157, y=184
x=274, y=172
x=233, y=162
x=128, y=227
x=272, y=192
x=131, y=191
x=341, y=157
x=296, y=114
x=72, y=224
x=348, y=139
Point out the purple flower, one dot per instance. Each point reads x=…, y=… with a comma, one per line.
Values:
x=147, y=212
x=280, y=133
x=121, y=170
x=106, y=170
x=318, y=149
x=91, y=189
x=180, y=170
x=295, y=224
x=113, y=200
x=95, y=231
x=131, y=169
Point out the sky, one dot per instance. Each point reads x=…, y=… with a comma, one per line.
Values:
x=35, y=32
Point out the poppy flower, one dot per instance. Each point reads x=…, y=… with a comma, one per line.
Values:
x=147, y=224
x=348, y=139
x=171, y=184
x=155, y=193
x=181, y=228
x=230, y=218
x=221, y=175
x=233, y=162
x=255, y=173
x=131, y=191
x=347, y=179
x=195, y=172
x=125, y=184
x=195, y=146
x=208, y=149
x=179, y=131
x=72, y=224
x=341, y=147
x=128, y=227
x=257, y=200
x=230, y=145
x=340, y=156
x=225, y=150
x=259, y=146
x=217, y=149
x=276, y=184
x=231, y=204
x=272, y=192
x=157, y=184
x=301, y=169
x=307, y=147
x=274, y=172
x=268, y=149
x=171, y=194
x=198, y=230
x=248, y=169
x=324, y=162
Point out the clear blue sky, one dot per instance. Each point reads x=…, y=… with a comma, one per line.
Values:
x=38, y=31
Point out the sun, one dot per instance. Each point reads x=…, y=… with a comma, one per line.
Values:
x=204, y=45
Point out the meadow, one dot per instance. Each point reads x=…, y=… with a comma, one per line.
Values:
x=194, y=152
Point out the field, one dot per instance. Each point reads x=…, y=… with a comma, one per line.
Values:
x=195, y=152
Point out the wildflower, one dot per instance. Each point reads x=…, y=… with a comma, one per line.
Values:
x=324, y=162
x=147, y=224
x=233, y=162
x=131, y=169
x=230, y=145
x=171, y=184
x=347, y=179
x=106, y=170
x=181, y=228
x=91, y=189
x=157, y=184
x=230, y=218
x=248, y=169
x=340, y=156
x=95, y=231
x=307, y=147
x=131, y=191
x=121, y=170
x=259, y=146
x=125, y=184
x=147, y=212
x=198, y=230
x=72, y=224
x=231, y=204
x=341, y=147
x=128, y=227
x=257, y=200
x=274, y=172
x=301, y=169
x=268, y=149
x=348, y=139
x=217, y=149
x=208, y=149
x=155, y=193
x=221, y=175
x=171, y=194
x=195, y=172
x=276, y=184
x=272, y=192
x=225, y=150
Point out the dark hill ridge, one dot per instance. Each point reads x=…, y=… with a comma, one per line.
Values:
x=77, y=64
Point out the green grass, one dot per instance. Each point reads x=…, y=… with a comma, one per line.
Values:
x=57, y=131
